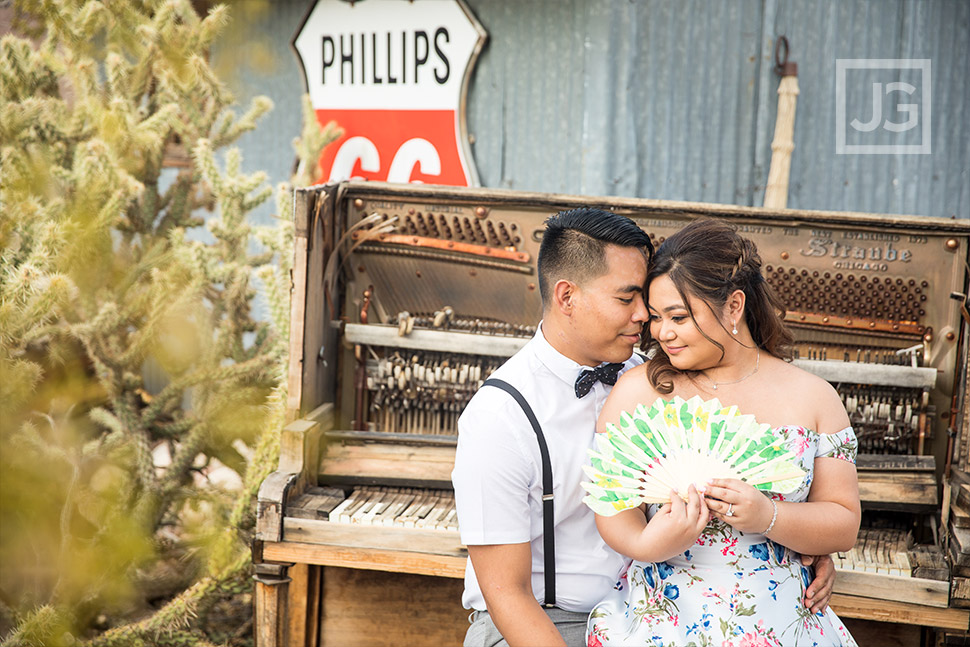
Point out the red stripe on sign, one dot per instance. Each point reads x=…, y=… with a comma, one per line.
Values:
x=394, y=146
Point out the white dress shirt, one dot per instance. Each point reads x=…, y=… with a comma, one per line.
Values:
x=498, y=481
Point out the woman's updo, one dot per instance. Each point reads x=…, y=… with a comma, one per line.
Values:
x=708, y=260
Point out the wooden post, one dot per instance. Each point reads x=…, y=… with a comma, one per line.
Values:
x=271, y=625
x=776, y=192
x=314, y=603
x=297, y=611
x=286, y=614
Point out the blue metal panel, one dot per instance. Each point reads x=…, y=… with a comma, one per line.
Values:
x=821, y=32
x=637, y=101
x=677, y=100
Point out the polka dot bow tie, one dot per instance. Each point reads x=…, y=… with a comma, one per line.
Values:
x=587, y=378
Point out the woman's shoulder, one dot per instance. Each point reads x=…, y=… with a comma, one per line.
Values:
x=634, y=383
x=820, y=396
x=794, y=376
x=631, y=389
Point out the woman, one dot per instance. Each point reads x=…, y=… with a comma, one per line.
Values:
x=723, y=567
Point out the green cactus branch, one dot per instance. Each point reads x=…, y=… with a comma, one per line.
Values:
x=135, y=341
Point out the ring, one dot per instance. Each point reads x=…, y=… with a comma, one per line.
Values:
x=730, y=510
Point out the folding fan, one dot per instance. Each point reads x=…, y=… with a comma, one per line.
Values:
x=675, y=443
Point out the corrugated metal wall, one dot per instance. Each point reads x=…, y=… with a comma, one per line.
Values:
x=677, y=100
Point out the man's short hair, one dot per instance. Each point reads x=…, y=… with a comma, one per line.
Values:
x=574, y=246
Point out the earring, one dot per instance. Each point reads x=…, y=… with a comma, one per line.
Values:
x=734, y=330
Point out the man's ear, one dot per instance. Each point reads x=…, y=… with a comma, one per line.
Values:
x=564, y=296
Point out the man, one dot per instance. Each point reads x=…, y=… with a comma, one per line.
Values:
x=592, y=268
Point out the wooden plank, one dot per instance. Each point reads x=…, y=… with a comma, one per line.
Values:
x=884, y=462
x=882, y=586
x=310, y=378
x=958, y=559
x=891, y=490
x=959, y=477
x=315, y=503
x=314, y=604
x=443, y=341
x=851, y=606
x=961, y=571
x=964, y=405
x=375, y=559
x=961, y=492
x=270, y=609
x=946, y=507
x=391, y=609
x=961, y=538
x=388, y=464
x=961, y=415
x=297, y=313
x=320, y=344
x=867, y=373
x=415, y=540
x=900, y=478
x=928, y=563
x=959, y=517
x=270, y=502
x=390, y=437
x=296, y=604
x=293, y=445
x=960, y=593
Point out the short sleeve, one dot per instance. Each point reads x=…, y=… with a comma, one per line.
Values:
x=842, y=445
x=493, y=476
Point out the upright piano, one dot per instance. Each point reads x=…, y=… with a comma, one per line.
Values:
x=405, y=298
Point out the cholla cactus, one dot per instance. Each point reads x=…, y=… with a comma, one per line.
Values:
x=121, y=334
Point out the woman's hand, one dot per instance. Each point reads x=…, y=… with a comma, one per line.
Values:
x=671, y=530
x=678, y=524
x=739, y=505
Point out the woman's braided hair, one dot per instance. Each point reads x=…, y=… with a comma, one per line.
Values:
x=709, y=260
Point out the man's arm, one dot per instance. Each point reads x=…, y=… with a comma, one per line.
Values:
x=504, y=573
x=819, y=592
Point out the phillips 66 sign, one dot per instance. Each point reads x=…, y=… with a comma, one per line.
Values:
x=393, y=74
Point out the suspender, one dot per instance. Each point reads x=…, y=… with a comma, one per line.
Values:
x=548, y=517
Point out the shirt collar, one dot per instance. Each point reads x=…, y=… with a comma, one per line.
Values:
x=558, y=364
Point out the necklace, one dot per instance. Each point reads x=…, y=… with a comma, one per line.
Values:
x=757, y=363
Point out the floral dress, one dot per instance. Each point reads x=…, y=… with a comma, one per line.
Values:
x=731, y=588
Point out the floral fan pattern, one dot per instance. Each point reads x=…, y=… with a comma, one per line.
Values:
x=674, y=443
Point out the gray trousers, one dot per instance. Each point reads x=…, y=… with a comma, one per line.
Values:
x=483, y=633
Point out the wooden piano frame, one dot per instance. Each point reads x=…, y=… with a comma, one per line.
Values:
x=324, y=583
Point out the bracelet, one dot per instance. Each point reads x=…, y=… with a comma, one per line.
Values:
x=774, y=517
